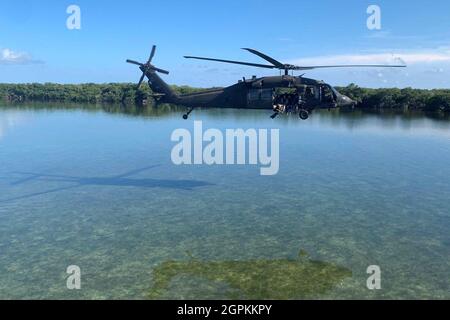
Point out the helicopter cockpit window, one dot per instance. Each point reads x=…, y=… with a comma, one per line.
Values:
x=334, y=91
x=327, y=94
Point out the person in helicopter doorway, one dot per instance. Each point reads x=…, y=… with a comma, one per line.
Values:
x=279, y=103
x=294, y=101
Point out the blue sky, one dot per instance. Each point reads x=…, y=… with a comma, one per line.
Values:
x=36, y=46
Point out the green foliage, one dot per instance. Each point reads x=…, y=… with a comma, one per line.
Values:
x=394, y=98
x=126, y=93
x=81, y=93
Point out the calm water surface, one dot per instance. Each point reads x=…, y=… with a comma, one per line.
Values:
x=98, y=189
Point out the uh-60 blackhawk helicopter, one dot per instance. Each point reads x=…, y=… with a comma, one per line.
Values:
x=280, y=94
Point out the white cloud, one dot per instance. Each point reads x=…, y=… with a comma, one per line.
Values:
x=8, y=56
x=409, y=58
x=426, y=68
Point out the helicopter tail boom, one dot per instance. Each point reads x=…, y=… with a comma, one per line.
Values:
x=161, y=89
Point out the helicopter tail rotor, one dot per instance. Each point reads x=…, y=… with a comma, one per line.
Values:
x=147, y=67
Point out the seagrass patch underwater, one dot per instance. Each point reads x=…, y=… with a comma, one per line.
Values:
x=97, y=189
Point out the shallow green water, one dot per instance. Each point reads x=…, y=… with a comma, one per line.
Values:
x=98, y=190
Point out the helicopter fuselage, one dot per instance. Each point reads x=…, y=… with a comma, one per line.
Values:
x=278, y=93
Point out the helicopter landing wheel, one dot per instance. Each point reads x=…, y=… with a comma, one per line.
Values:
x=303, y=114
x=186, y=115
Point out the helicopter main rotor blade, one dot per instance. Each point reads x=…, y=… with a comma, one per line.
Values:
x=159, y=70
x=234, y=62
x=276, y=63
x=350, y=66
x=134, y=62
x=152, y=54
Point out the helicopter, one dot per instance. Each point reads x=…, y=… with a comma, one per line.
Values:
x=283, y=94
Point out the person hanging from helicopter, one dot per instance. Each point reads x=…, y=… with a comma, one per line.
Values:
x=290, y=102
x=285, y=100
x=278, y=103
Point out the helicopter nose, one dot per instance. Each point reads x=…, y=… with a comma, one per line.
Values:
x=345, y=101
